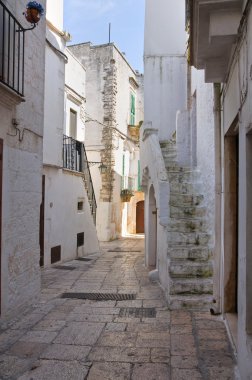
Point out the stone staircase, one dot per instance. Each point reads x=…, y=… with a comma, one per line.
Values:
x=189, y=252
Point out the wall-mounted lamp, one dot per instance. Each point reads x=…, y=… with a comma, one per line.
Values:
x=33, y=13
x=103, y=168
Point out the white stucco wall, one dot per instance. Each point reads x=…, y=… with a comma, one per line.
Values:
x=55, y=13
x=63, y=190
x=75, y=89
x=237, y=88
x=54, y=105
x=22, y=170
x=65, y=90
x=164, y=64
x=75, y=74
x=205, y=144
x=164, y=19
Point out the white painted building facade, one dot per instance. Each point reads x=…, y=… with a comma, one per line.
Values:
x=21, y=135
x=69, y=228
x=213, y=142
x=177, y=162
x=114, y=102
x=222, y=46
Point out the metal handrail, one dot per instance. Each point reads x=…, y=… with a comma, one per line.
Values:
x=75, y=158
x=12, y=43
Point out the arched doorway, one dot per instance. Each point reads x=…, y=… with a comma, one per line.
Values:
x=140, y=217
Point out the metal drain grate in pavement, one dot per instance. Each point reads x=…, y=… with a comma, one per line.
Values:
x=83, y=259
x=135, y=312
x=100, y=296
x=64, y=267
x=123, y=250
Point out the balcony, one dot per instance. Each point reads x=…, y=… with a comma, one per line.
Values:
x=127, y=188
x=213, y=29
x=134, y=132
x=75, y=159
x=12, y=39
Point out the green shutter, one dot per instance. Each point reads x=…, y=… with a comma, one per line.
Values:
x=139, y=177
x=123, y=171
x=132, y=109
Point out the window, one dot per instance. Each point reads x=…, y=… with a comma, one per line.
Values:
x=80, y=239
x=139, y=177
x=80, y=206
x=55, y=254
x=132, y=109
x=73, y=124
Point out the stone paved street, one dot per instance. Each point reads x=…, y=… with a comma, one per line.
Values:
x=77, y=339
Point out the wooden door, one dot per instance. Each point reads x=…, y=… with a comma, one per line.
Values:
x=1, y=182
x=140, y=217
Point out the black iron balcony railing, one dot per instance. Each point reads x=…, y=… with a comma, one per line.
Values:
x=75, y=158
x=12, y=40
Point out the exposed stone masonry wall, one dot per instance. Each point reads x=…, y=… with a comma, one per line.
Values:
x=107, y=153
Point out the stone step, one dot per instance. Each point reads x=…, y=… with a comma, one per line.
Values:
x=186, y=188
x=176, y=168
x=187, y=225
x=199, y=302
x=189, y=238
x=190, y=253
x=169, y=150
x=181, y=200
x=187, y=212
x=185, y=176
x=167, y=143
x=191, y=286
x=170, y=159
x=188, y=269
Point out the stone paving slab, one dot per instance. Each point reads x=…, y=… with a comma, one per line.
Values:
x=66, y=352
x=72, y=339
x=56, y=370
x=80, y=333
x=110, y=371
x=151, y=371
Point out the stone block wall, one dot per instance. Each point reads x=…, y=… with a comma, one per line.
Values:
x=22, y=171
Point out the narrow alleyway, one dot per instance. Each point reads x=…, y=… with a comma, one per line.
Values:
x=77, y=339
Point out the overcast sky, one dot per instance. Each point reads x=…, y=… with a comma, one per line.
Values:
x=88, y=20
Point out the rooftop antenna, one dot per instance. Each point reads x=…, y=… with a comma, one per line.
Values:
x=109, y=31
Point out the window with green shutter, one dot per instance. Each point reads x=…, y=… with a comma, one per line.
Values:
x=139, y=177
x=123, y=171
x=132, y=109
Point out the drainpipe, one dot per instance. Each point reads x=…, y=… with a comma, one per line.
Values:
x=218, y=267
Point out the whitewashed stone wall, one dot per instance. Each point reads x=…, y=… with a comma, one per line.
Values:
x=237, y=101
x=63, y=191
x=65, y=90
x=171, y=106
x=165, y=92
x=205, y=142
x=165, y=64
x=22, y=170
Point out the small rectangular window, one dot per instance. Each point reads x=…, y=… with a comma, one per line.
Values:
x=80, y=239
x=80, y=206
x=55, y=254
